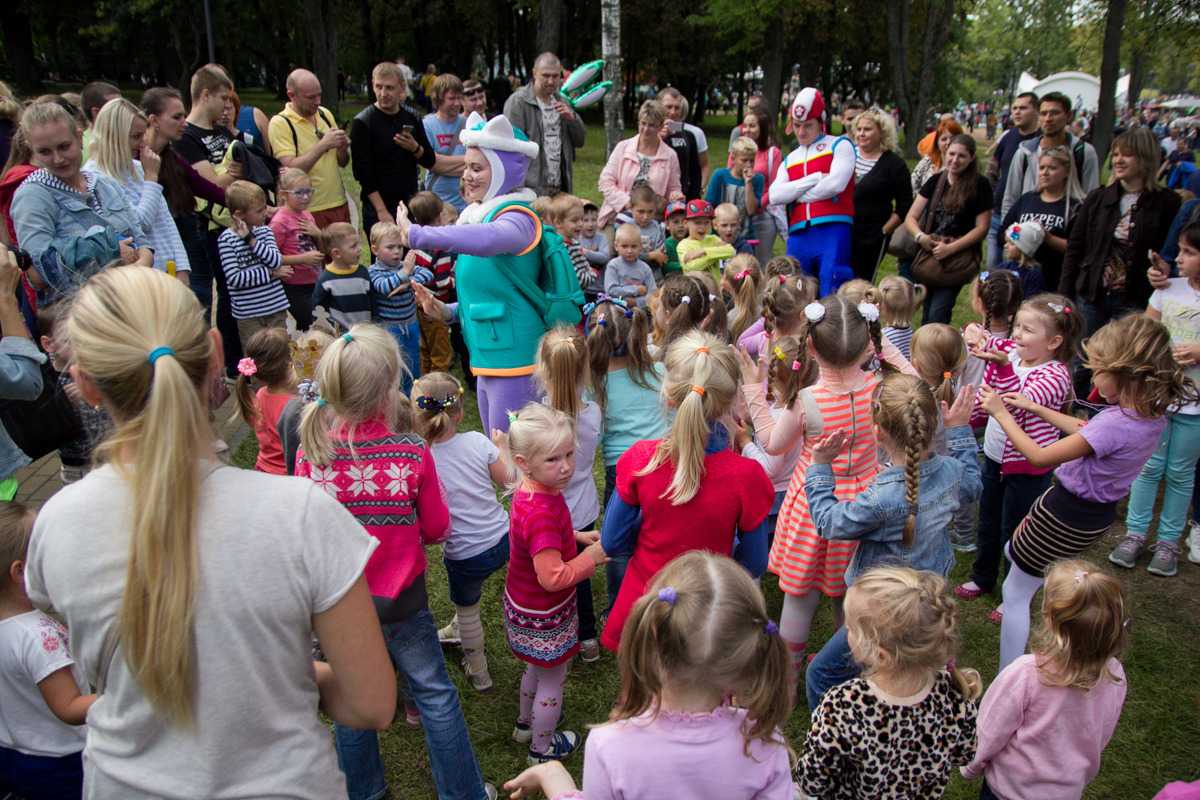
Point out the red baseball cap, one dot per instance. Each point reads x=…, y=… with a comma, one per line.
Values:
x=699, y=209
x=673, y=208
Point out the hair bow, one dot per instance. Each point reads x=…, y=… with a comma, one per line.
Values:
x=869, y=311
x=427, y=403
x=247, y=367
x=308, y=391
x=744, y=273
x=814, y=312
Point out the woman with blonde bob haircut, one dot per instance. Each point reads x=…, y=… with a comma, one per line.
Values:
x=190, y=587
x=118, y=149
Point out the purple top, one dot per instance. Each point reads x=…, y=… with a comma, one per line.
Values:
x=201, y=187
x=1179, y=791
x=1122, y=443
x=509, y=234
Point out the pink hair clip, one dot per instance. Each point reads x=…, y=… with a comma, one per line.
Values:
x=795, y=366
x=247, y=367
x=1079, y=576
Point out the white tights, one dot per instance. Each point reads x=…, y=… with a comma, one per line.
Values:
x=795, y=623
x=1019, y=589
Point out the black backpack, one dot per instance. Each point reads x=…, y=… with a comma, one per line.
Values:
x=259, y=168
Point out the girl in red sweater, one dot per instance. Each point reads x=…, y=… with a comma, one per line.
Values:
x=544, y=564
x=356, y=443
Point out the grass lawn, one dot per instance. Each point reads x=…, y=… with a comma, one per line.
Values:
x=1157, y=740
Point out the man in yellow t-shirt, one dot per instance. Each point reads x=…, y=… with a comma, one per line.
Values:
x=305, y=136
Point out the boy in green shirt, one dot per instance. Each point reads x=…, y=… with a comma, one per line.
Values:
x=702, y=250
x=676, y=223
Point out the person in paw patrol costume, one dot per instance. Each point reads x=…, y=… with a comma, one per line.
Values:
x=817, y=185
x=496, y=239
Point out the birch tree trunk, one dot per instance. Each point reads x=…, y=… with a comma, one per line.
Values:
x=610, y=48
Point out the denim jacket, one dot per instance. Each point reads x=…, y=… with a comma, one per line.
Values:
x=20, y=379
x=44, y=209
x=876, y=516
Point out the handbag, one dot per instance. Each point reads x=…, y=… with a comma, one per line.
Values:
x=903, y=246
x=42, y=425
x=946, y=273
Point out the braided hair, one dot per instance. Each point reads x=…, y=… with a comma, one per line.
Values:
x=907, y=413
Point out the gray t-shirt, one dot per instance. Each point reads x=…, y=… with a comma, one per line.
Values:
x=271, y=552
x=551, y=142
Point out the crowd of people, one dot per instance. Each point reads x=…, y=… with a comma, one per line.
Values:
x=753, y=412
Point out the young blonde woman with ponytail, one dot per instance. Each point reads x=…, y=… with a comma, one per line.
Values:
x=691, y=490
x=902, y=517
x=190, y=588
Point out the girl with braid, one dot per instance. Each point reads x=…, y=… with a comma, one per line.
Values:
x=995, y=296
x=884, y=518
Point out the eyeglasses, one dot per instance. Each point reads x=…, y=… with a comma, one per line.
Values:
x=300, y=192
x=473, y=92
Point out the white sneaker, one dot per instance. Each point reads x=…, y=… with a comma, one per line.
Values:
x=1193, y=541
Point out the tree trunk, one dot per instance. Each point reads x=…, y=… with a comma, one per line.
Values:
x=18, y=42
x=371, y=43
x=610, y=49
x=1137, y=77
x=913, y=100
x=772, y=64
x=1110, y=67
x=549, y=26
x=322, y=21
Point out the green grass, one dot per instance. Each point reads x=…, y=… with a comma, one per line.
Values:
x=1157, y=740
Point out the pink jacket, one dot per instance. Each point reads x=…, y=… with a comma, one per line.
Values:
x=616, y=179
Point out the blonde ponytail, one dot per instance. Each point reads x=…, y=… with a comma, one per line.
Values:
x=119, y=321
x=701, y=383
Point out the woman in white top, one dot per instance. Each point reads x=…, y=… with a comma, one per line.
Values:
x=190, y=588
x=118, y=149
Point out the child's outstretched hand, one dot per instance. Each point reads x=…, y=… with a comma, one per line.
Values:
x=597, y=553
x=992, y=354
x=403, y=222
x=974, y=335
x=960, y=412
x=752, y=374
x=991, y=401
x=429, y=304
x=1017, y=400
x=550, y=778
x=828, y=446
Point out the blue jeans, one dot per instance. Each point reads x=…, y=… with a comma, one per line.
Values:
x=823, y=252
x=41, y=777
x=583, y=601
x=409, y=338
x=939, y=305
x=1108, y=306
x=986, y=793
x=1005, y=501
x=413, y=646
x=995, y=249
x=833, y=666
x=1175, y=459
x=201, y=276
x=466, y=576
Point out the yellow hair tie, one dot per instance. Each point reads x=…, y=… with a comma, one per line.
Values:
x=779, y=354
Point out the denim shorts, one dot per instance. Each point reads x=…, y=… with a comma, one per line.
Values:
x=467, y=575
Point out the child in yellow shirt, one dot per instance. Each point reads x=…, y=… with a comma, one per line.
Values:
x=702, y=249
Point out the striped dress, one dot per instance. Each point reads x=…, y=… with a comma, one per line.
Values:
x=800, y=557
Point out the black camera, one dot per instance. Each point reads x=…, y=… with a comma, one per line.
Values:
x=24, y=260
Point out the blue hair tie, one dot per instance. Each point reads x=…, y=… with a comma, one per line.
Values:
x=158, y=353
x=321, y=402
x=771, y=628
x=347, y=337
x=668, y=595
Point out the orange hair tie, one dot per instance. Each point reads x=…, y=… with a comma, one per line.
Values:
x=947, y=375
x=702, y=350
x=698, y=389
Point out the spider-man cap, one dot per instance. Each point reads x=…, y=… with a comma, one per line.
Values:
x=808, y=105
x=699, y=209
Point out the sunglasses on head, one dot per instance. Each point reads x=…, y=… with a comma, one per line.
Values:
x=473, y=92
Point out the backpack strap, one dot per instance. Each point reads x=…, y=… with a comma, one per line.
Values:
x=814, y=423
x=292, y=128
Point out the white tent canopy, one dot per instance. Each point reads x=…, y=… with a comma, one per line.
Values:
x=1083, y=89
x=1182, y=102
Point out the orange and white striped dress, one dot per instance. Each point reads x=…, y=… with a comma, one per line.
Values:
x=800, y=557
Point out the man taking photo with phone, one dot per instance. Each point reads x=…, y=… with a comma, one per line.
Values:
x=387, y=143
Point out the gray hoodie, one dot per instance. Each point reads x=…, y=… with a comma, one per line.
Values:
x=1022, y=172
